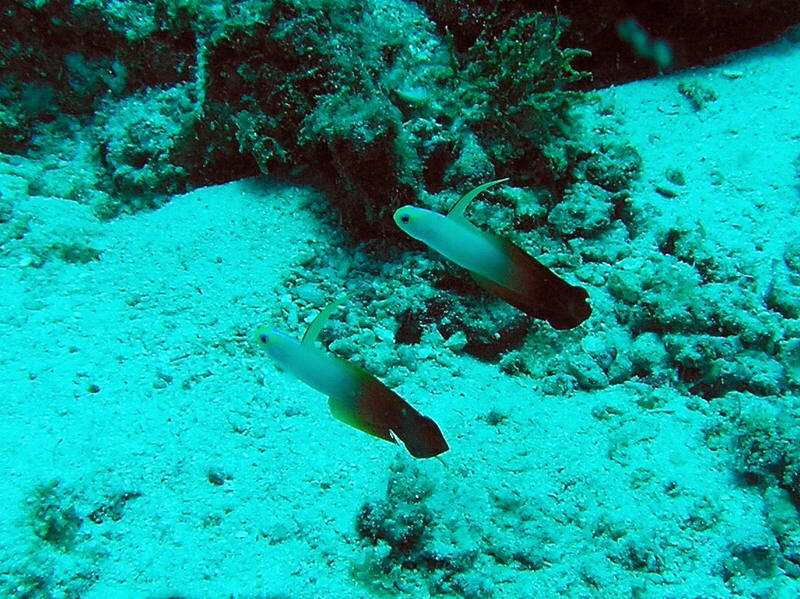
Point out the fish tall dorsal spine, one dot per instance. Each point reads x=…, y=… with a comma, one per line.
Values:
x=312, y=332
x=460, y=207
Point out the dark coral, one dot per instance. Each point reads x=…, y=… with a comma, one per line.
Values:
x=54, y=517
x=698, y=32
x=371, y=106
x=410, y=530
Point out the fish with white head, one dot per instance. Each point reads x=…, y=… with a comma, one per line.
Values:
x=354, y=396
x=497, y=264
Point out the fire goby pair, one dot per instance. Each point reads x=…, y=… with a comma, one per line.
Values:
x=504, y=269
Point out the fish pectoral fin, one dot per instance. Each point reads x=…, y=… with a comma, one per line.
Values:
x=346, y=410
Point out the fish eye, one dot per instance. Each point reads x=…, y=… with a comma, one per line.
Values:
x=404, y=218
x=263, y=337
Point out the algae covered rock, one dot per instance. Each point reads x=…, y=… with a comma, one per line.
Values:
x=768, y=443
x=143, y=140
x=407, y=542
x=54, y=517
x=586, y=210
x=613, y=166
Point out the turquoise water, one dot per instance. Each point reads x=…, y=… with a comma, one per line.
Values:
x=176, y=175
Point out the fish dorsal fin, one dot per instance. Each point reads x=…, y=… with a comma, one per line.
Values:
x=457, y=211
x=312, y=332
